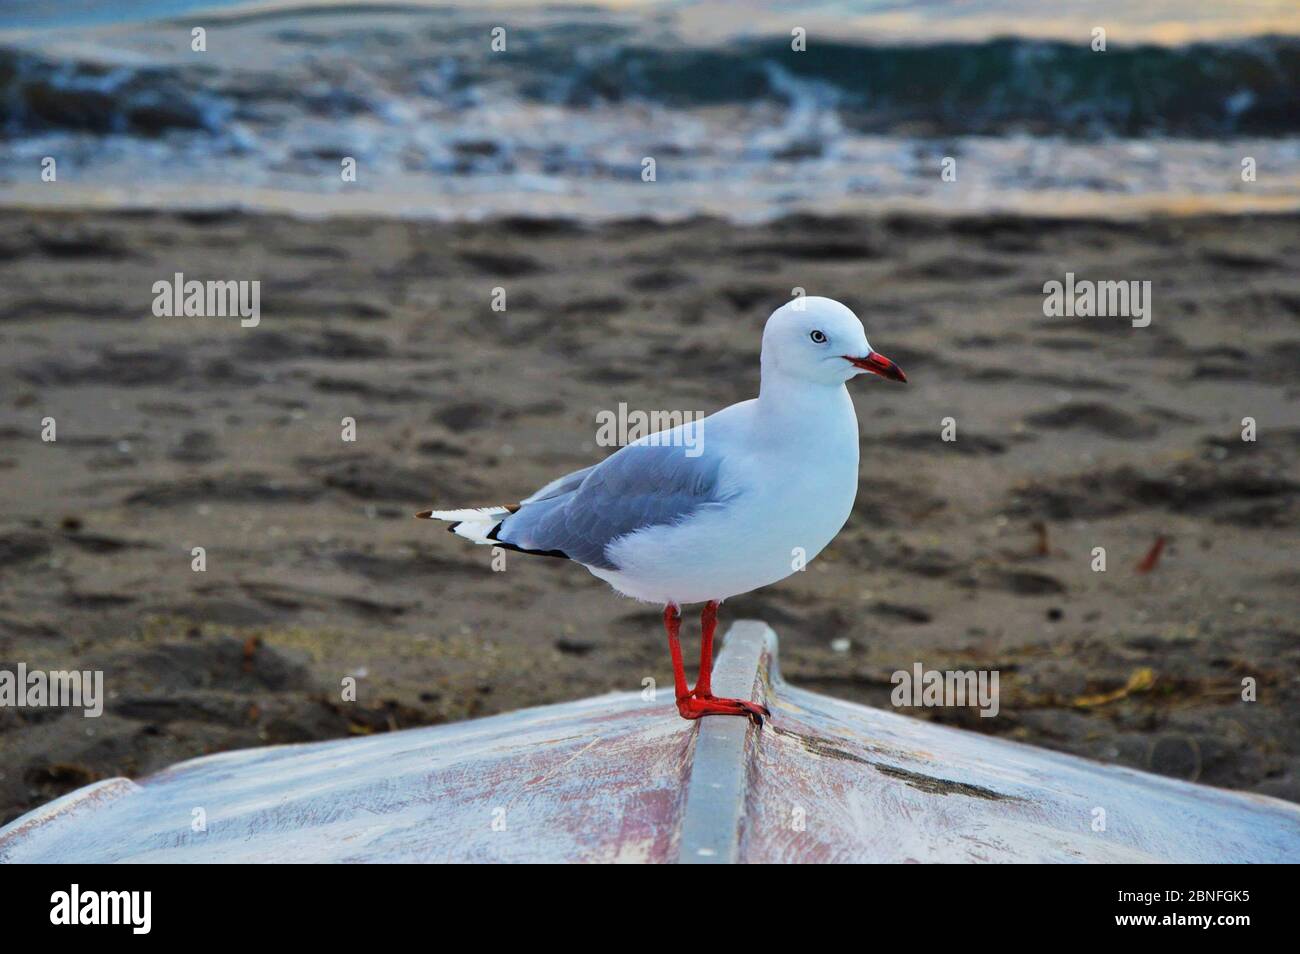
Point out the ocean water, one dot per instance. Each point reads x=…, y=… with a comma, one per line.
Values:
x=1008, y=98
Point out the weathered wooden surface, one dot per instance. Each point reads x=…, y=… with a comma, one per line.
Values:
x=617, y=778
x=717, y=789
x=594, y=780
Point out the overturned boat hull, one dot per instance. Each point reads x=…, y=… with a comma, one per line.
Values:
x=622, y=778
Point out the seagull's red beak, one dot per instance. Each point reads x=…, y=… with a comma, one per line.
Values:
x=878, y=364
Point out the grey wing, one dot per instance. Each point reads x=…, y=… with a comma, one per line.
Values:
x=561, y=485
x=640, y=486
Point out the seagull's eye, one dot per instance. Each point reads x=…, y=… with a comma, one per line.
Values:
x=818, y=337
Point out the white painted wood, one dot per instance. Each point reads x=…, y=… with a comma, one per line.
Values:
x=716, y=792
x=616, y=778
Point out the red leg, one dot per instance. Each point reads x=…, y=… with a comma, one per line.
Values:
x=701, y=701
x=708, y=623
x=673, y=623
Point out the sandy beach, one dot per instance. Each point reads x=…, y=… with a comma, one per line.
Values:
x=1072, y=434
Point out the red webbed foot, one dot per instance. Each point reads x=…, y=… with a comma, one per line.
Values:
x=700, y=701
x=694, y=706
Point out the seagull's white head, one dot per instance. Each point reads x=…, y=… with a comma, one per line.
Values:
x=821, y=341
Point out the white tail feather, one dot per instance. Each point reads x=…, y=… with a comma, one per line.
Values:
x=472, y=524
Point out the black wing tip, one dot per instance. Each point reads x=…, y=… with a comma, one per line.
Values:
x=558, y=554
x=492, y=535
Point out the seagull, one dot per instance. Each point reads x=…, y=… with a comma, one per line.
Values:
x=757, y=491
